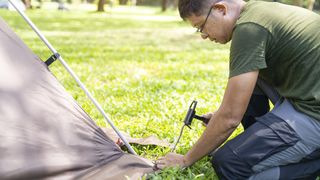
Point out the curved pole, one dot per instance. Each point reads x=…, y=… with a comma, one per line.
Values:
x=74, y=77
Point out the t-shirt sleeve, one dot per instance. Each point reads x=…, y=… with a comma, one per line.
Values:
x=248, y=49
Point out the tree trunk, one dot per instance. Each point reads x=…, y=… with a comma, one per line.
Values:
x=175, y=4
x=310, y=4
x=164, y=5
x=27, y=3
x=298, y=2
x=101, y=5
x=133, y=2
x=123, y=2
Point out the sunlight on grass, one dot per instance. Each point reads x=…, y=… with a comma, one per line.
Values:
x=145, y=68
x=147, y=18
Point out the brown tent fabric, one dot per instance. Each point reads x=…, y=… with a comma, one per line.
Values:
x=44, y=134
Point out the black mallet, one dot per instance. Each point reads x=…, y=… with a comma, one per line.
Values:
x=188, y=120
x=192, y=114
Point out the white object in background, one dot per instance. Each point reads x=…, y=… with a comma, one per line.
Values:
x=6, y=5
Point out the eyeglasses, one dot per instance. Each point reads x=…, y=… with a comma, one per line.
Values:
x=200, y=29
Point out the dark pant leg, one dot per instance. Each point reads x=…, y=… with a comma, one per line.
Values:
x=301, y=171
x=259, y=102
x=307, y=169
x=268, y=136
x=258, y=106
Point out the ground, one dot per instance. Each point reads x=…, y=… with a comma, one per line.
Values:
x=143, y=66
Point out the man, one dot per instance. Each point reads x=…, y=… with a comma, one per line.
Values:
x=275, y=54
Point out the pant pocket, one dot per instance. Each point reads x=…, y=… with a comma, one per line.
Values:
x=269, y=135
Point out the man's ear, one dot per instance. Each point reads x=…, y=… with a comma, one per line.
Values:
x=221, y=7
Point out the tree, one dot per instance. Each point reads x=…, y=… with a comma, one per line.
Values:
x=164, y=5
x=297, y=3
x=310, y=4
x=171, y=3
x=27, y=3
x=123, y=2
x=175, y=4
x=101, y=5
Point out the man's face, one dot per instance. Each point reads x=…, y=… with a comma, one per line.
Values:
x=215, y=25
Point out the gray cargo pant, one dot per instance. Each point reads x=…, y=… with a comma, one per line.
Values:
x=280, y=144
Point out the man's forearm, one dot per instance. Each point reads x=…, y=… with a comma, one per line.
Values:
x=227, y=118
x=217, y=131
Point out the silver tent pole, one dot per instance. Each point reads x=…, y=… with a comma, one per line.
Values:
x=74, y=76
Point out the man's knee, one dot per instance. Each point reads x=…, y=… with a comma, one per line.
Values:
x=219, y=163
x=228, y=166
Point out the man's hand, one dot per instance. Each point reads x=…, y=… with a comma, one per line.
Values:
x=227, y=117
x=172, y=160
x=207, y=116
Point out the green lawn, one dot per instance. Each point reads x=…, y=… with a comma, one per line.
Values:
x=144, y=67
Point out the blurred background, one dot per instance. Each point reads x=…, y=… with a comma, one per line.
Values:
x=102, y=5
x=139, y=60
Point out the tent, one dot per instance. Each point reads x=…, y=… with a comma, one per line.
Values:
x=44, y=133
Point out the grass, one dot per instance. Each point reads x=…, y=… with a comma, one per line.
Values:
x=144, y=67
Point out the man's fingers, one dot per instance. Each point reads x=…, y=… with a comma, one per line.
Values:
x=160, y=163
x=204, y=124
x=160, y=160
x=170, y=160
x=208, y=115
x=160, y=166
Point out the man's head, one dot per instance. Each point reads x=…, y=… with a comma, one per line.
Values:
x=214, y=19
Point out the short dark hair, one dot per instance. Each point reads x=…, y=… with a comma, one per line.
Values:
x=189, y=7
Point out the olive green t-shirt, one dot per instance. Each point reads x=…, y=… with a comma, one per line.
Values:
x=283, y=43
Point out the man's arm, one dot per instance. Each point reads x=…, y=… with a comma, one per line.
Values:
x=222, y=123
